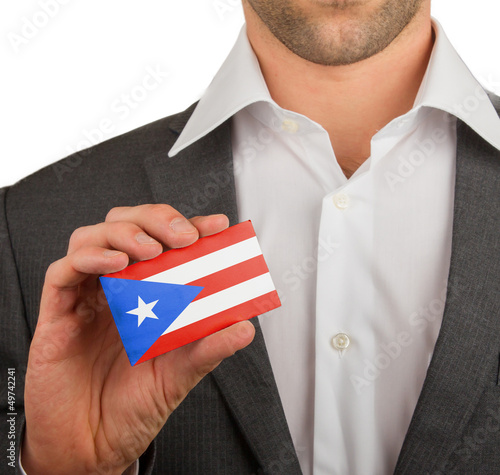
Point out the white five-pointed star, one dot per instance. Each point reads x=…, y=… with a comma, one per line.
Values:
x=143, y=311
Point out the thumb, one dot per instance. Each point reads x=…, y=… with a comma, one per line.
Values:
x=194, y=361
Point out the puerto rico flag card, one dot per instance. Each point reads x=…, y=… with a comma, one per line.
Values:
x=185, y=294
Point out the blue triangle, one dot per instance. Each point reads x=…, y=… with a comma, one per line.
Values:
x=125, y=295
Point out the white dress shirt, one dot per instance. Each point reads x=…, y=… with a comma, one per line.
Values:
x=361, y=264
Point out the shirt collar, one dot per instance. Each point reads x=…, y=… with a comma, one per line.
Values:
x=448, y=85
x=238, y=83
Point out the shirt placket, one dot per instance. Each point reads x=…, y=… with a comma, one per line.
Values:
x=343, y=311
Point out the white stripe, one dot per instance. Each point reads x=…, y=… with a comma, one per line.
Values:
x=209, y=264
x=223, y=300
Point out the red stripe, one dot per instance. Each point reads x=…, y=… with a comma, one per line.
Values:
x=230, y=276
x=175, y=257
x=212, y=324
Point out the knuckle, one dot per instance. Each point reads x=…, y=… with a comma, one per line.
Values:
x=162, y=213
x=115, y=213
x=161, y=209
x=77, y=237
x=52, y=271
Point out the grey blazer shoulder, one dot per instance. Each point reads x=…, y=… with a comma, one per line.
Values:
x=233, y=422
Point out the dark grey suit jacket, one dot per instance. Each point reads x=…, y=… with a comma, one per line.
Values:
x=233, y=421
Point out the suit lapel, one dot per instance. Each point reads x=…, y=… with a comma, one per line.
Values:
x=468, y=340
x=199, y=181
x=247, y=383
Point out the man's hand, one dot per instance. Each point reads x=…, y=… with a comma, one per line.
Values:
x=87, y=409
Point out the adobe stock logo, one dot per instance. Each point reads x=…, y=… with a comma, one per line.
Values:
x=32, y=26
x=120, y=108
x=423, y=149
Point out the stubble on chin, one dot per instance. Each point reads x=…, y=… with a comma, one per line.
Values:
x=348, y=32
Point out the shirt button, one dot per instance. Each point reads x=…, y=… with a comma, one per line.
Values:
x=341, y=200
x=290, y=126
x=340, y=341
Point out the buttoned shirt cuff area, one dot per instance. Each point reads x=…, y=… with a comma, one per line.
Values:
x=132, y=470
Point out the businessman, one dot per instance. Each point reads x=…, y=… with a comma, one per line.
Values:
x=367, y=156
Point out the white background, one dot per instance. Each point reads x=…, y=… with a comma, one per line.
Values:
x=58, y=86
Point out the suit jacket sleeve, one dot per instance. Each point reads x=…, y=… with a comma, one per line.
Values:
x=15, y=339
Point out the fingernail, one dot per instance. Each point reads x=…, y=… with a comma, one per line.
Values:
x=245, y=330
x=110, y=253
x=143, y=238
x=182, y=226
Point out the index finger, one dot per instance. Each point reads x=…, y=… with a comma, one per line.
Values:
x=160, y=221
x=167, y=225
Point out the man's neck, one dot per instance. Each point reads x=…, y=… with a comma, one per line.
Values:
x=350, y=102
